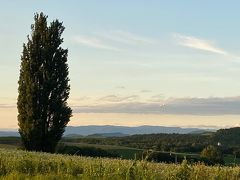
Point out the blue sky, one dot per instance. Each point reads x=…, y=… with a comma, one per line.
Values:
x=175, y=58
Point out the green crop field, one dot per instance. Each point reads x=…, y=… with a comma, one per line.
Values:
x=16, y=164
x=124, y=152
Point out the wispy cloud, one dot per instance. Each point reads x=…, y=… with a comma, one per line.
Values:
x=126, y=37
x=95, y=43
x=8, y=105
x=145, y=91
x=197, y=43
x=115, y=98
x=157, y=98
x=114, y=40
x=120, y=87
x=8, y=102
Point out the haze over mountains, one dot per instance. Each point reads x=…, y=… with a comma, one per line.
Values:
x=88, y=130
x=118, y=130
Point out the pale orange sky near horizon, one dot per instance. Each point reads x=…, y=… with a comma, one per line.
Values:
x=8, y=118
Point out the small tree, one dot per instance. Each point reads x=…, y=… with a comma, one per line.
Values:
x=44, y=87
x=212, y=155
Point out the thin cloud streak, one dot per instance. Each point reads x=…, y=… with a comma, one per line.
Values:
x=127, y=38
x=8, y=106
x=113, y=40
x=145, y=91
x=114, y=98
x=197, y=43
x=120, y=87
x=94, y=43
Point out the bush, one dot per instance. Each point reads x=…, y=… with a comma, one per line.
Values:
x=161, y=157
x=212, y=155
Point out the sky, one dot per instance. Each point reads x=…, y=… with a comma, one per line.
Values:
x=166, y=63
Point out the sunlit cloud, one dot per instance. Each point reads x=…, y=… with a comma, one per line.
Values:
x=197, y=43
x=237, y=125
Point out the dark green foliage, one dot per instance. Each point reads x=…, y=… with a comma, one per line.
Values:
x=10, y=140
x=43, y=87
x=194, y=143
x=159, y=157
x=212, y=155
x=170, y=157
x=227, y=136
x=237, y=153
x=85, y=151
x=159, y=142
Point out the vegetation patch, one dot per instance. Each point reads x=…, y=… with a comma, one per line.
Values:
x=17, y=164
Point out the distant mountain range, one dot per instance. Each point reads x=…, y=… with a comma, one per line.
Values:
x=8, y=133
x=117, y=134
x=125, y=130
x=119, y=131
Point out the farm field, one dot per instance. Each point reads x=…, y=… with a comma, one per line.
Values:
x=131, y=153
x=124, y=152
x=17, y=164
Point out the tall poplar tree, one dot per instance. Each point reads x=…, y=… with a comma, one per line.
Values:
x=43, y=112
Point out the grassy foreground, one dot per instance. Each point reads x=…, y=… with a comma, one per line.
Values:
x=16, y=164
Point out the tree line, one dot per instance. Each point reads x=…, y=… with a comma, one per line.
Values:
x=226, y=139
